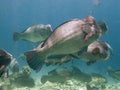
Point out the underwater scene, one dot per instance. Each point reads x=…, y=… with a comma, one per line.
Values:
x=59, y=45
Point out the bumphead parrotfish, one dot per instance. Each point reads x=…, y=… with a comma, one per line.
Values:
x=35, y=33
x=62, y=74
x=58, y=59
x=69, y=37
x=96, y=51
x=5, y=59
x=14, y=65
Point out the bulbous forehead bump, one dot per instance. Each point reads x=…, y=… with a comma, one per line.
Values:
x=89, y=19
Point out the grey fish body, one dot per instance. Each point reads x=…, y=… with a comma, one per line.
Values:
x=67, y=38
x=35, y=33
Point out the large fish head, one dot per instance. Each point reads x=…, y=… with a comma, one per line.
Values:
x=5, y=57
x=95, y=31
x=99, y=49
x=5, y=54
x=89, y=19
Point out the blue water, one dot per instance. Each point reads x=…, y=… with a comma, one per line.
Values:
x=17, y=15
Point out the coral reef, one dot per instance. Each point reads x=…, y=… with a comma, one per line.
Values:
x=20, y=79
x=71, y=84
x=62, y=79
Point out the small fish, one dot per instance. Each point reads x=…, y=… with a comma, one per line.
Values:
x=14, y=65
x=96, y=2
x=56, y=75
x=5, y=59
x=96, y=51
x=62, y=74
x=69, y=37
x=35, y=33
x=115, y=74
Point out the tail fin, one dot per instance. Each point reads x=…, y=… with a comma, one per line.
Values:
x=16, y=36
x=33, y=60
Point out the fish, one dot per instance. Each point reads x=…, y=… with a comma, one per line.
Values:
x=5, y=59
x=115, y=74
x=57, y=75
x=62, y=74
x=14, y=65
x=69, y=37
x=34, y=33
x=96, y=51
x=96, y=2
x=59, y=59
